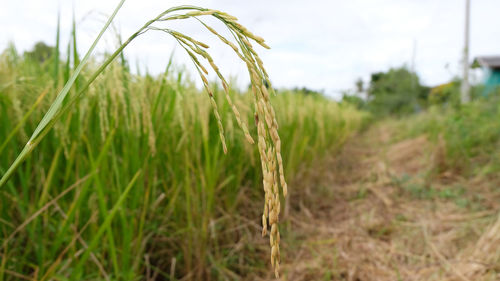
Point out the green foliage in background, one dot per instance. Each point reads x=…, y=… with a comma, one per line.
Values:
x=41, y=52
x=396, y=92
x=447, y=94
x=354, y=100
x=470, y=133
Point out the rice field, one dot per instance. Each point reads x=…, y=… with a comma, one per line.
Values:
x=132, y=182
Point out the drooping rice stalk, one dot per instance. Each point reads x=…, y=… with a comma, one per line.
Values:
x=269, y=143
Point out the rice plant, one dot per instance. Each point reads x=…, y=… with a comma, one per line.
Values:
x=130, y=181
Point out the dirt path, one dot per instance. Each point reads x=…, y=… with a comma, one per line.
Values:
x=380, y=211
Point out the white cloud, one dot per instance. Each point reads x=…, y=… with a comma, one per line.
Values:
x=318, y=44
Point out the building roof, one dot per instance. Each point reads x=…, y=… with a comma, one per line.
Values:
x=488, y=61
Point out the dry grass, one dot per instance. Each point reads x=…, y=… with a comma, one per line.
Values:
x=381, y=212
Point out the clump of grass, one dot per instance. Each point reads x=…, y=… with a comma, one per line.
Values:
x=467, y=135
x=269, y=142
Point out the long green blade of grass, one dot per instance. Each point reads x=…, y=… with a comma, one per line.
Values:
x=56, y=105
x=56, y=52
x=105, y=225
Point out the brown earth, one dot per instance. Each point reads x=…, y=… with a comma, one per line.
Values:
x=385, y=210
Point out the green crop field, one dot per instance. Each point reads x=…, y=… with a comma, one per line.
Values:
x=133, y=179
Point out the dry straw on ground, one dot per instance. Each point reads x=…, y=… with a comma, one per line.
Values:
x=381, y=230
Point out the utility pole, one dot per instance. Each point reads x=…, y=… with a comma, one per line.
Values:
x=465, y=89
x=412, y=65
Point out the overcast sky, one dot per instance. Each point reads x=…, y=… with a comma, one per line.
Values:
x=318, y=44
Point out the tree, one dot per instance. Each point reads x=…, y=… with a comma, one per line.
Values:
x=41, y=52
x=360, y=86
x=396, y=92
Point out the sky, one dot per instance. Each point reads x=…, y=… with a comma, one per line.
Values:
x=323, y=45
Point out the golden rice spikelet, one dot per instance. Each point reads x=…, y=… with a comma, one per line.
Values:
x=216, y=112
x=269, y=145
x=268, y=140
